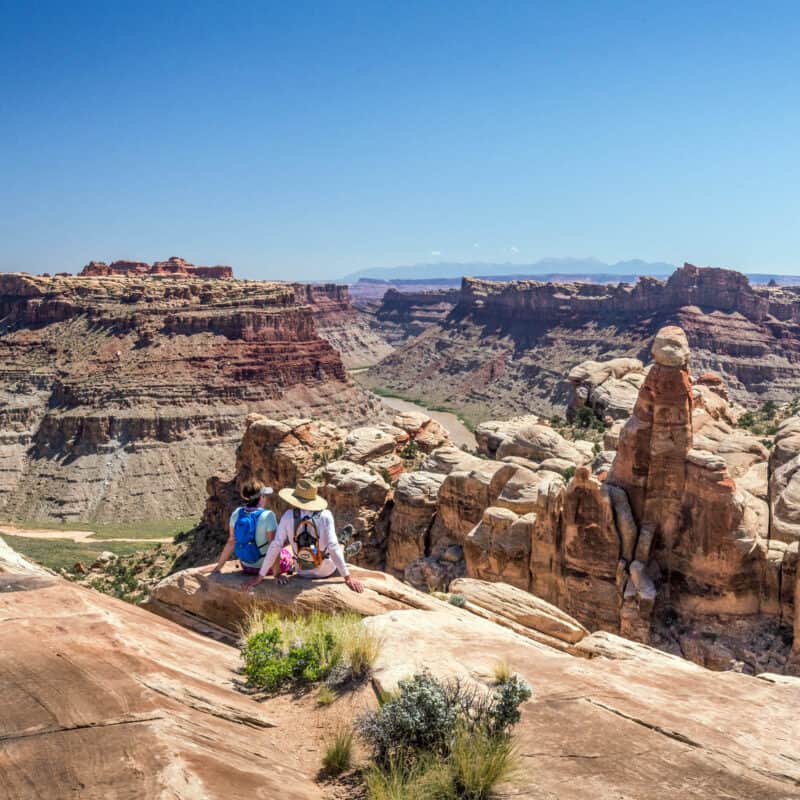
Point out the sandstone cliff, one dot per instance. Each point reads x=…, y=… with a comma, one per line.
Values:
x=677, y=535
x=123, y=394
x=173, y=266
x=504, y=348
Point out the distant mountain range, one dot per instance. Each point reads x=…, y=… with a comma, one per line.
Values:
x=546, y=266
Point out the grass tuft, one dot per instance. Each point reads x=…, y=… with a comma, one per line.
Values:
x=325, y=696
x=339, y=753
x=502, y=672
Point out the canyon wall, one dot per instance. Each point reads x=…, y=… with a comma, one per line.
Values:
x=504, y=348
x=122, y=394
x=682, y=533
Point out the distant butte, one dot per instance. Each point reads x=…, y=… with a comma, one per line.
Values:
x=173, y=266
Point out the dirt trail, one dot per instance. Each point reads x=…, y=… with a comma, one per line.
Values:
x=73, y=536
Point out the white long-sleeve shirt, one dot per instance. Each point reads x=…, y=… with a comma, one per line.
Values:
x=326, y=530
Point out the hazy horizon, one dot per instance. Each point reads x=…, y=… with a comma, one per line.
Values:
x=318, y=140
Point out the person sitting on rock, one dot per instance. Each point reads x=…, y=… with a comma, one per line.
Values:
x=308, y=528
x=251, y=529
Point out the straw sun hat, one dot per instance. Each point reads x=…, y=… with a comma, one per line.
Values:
x=304, y=496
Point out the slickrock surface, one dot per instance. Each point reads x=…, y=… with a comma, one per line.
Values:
x=102, y=700
x=120, y=395
x=504, y=348
x=631, y=722
x=609, y=718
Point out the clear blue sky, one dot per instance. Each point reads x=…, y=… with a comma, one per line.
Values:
x=300, y=140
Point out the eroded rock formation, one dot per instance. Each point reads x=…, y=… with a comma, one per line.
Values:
x=504, y=348
x=173, y=266
x=353, y=468
x=680, y=533
x=122, y=394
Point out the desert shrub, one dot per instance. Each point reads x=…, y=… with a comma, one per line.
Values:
x=425, y=714
x=457, y=600
x=360, y=648
x=306, y=649
x=264, y=662
x=584, y=417
x=476, y=763
x=420, y=718
x=769, y=409
x=410, y=451
x=508, y=697
x=339, y=753
x=568, y=474
x=747, y=420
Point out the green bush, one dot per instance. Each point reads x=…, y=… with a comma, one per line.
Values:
x=747, y=420
x=420, y=718
x=308, y=649
x=410, y=451
x=425, y=714
x=457, y=600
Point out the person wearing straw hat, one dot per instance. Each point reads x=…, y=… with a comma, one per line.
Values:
x=307, y=527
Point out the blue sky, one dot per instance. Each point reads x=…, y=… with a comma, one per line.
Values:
x=307, y=140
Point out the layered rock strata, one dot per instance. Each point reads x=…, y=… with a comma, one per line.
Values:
x=173, y=266
x=124, y=393
x=504, y=348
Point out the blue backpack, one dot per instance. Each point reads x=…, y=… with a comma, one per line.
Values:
x=244, y=533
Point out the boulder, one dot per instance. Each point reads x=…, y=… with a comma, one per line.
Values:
x=498, y=548
x=671, y=347
x=358, y=496
x=609, y=388
x=537, y=443
x=448, y=458
x=491, y=434
x=507, y=602
x=191, y=596
x=415, y=500
x=365, y=444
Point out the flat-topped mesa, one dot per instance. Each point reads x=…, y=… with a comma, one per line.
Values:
x=708, y=287
x=132, y=386
x=173, y=266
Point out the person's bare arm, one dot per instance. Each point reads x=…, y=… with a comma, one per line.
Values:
x=224, y=555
